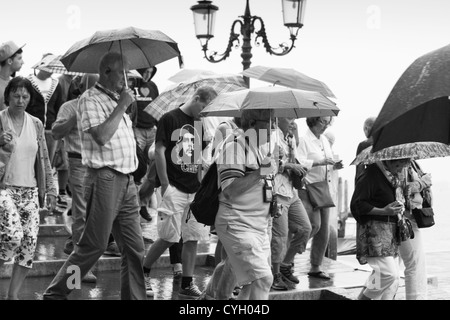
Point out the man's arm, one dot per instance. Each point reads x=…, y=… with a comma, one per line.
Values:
x=161, y=167
x=104, y=132
x=62, y=127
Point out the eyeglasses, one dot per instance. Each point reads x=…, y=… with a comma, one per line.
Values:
x=324, y=122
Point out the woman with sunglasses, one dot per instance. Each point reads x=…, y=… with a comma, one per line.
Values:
x=314, y=150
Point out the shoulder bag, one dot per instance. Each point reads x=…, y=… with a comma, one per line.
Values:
x=424, y=217
x=319, y=194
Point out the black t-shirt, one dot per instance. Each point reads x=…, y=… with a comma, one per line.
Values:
x=183, y=140
x=146, y=91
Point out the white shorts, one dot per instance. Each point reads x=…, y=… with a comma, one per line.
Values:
x=172, y=215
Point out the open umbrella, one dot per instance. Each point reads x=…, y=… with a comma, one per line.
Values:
x=53, y=64
x=414, y=150
x=286, y=102
x=143, y=48
x=417, y=108
x=289, y=78
x=186, y=74
x=171, y=99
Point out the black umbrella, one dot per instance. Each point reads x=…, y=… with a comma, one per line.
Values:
x=417, y=109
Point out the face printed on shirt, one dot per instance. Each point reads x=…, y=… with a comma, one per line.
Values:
x=188, y=149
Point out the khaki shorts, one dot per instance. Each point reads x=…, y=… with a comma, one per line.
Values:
x=172, y=215
x=248, y=252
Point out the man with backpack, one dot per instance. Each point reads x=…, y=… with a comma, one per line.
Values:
x=177, y=172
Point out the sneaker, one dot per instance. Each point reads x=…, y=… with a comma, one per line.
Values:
x=148, y=285
x=148, y=240
x=58, y=210
x=112, y=250
x=62, y=200
x=177, y=271
x=288, y=274
x=237, y=290
x=144, y=214
x=191, y=292
x=68, y=246
x=89, y=278
x=278, y=283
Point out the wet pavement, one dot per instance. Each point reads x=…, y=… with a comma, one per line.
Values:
x=347, y=276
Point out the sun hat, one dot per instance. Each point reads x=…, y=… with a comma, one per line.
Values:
x=8, y=49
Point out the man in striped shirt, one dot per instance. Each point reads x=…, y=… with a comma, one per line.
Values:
x=108, y=150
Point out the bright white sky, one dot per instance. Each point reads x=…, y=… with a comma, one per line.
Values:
x=359, y=48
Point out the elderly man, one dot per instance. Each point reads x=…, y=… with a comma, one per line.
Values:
x=10, y=62
x=108, y=150
x=65, y=127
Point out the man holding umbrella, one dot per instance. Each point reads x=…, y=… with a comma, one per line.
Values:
x=109, y=153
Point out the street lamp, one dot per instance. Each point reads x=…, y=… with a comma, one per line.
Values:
x=204, y=20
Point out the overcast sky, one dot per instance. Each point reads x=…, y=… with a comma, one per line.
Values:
x=358, y=48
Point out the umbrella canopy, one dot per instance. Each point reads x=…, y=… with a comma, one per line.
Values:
x=289, y=78
x=143, y=48
x=414, y=150
x=286, y=102
x=171, y=99
x=186, y=74
x=418, y=100
x=53, y=64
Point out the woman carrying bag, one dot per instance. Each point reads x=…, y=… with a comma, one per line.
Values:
x=314, y=148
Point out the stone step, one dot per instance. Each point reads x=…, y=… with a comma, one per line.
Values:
x=50, y=257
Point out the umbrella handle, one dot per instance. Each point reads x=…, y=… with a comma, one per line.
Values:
x=126, y=79
x=124, y=72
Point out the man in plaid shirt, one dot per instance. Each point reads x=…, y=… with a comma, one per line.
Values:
x=109, y=153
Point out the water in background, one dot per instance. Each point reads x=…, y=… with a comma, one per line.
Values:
x=437, y=237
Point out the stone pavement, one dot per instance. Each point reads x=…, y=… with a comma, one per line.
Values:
x=347, y=276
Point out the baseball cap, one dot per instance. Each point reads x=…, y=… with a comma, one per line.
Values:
x=8, y=49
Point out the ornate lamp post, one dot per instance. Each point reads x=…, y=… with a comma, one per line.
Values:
x=204, y=20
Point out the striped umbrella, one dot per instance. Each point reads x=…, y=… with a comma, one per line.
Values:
x=53, y=64
x=414, y=150
x=173, y=98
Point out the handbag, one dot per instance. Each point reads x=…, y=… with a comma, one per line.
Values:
x=404, y=229
x=424, y=217
x=319, y=195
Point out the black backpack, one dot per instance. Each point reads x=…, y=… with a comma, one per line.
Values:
x=205, y=205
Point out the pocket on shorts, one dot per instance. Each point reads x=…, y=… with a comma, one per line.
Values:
x=167, y=205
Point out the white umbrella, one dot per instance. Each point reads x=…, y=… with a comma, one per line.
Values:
x=286, y=102
x=288, y=77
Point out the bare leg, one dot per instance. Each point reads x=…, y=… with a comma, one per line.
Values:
x=18, y=276
x=188, y=256
x=156, y=250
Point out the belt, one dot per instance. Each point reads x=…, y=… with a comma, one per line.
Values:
x=74, y=155
x=369, y=217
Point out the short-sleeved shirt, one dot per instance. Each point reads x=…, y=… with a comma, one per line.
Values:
x=119, y=153
x=72, y=141
x=312, y=149
x=247, y=210
x=182, y=138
